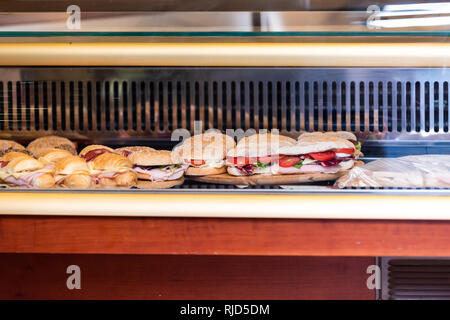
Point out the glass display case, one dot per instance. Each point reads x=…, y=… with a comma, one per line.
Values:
x=113, y=74
x=124, y=73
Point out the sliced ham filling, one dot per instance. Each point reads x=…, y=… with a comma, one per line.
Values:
x=162, y=173
x=108, y=175
x=26, y=180
x=91, y=155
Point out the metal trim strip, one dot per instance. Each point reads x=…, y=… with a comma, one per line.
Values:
x=226, y=205
x=226, y=54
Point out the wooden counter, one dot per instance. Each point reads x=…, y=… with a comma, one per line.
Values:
x=223, y=236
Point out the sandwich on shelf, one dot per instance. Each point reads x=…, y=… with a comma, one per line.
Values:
x=72, y=172
x=22, y=170
x=257, y=154
x=111, y=170
x=157, y=169
x=205, y=153
x=39, y=146
x=318, y=153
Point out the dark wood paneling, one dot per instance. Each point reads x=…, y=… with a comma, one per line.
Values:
x=43, y=276
x=105, y=235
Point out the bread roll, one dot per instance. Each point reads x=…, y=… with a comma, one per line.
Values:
x=260, y=145
x=316, y=143
x=126, y=179
x=94, y=147
x=40, y=145
x=152, y=158
x=112, y=169
x=9, y=145
x=44, y=181
x=205, y=171
x=145, y=184
x=77, y=181
x=18, y=162
x=126, y=151
x=211, y=146
x=111, y=161
x=53, y=155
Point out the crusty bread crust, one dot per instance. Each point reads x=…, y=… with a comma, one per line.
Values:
x=342, y=134
x=146, y=184
x=44, y=181
x=108, y=161
x=260, y=145
x=125, y=179
x=9, y=144
x=77, y=181
x=152, y=158
x=309, y=134
x=40, y=145
x=338, y=134
x=18, y=161
x=71, y=164
x=53, y=155
x=319, y=143
x=205, y=171
x=94, y=147
x=206, y=146
x=132, y=149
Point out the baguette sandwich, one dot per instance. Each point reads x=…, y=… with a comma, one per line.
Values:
x=20, y=169
x=317, y=153
x=205, y=153
x=257, y=154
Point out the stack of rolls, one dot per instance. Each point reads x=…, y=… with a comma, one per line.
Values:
x=22, y=170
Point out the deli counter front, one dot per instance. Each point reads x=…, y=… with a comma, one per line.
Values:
x=303, y=142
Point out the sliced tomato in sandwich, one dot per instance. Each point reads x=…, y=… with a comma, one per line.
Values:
x=198, y=162
x=244, y=160
x=288, y=161
x=3, y=163
x=346, y=150
x=323, y=156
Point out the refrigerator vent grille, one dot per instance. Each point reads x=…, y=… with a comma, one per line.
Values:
x=416, y=279
x=152, y=102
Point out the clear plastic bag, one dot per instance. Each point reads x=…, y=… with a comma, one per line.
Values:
x=432, y=171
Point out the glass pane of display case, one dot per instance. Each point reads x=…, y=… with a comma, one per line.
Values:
x=224, y=18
